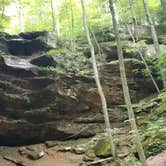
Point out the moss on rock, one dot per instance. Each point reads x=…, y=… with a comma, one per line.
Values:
x=155, y=144
x=151, y=122
x=2, y=61
x=103, y=148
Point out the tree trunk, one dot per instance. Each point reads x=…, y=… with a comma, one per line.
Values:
x=153, y=30
x=125, y=86
x=134, y=20
x=55, y=22
x=53, y=16
x=72, y=29
x=20, y=15
x=155, y=38
x=98, y=83
x=144, y=61
x=163, y=3
x=3, y=9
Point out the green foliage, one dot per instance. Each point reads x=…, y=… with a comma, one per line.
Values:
x=163, y=97
x=37, y=15
x=124, y=10
x=130, y=161
x=140, y=69
x=162, y=15
x=153, y=126
x=135, y=47
x=162, y=61
x=153, y=63
x=67, y=61
x=155, y=137
x=4, y=19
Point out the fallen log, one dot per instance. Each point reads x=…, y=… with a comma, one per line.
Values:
x=17, y=162
x=100, y=161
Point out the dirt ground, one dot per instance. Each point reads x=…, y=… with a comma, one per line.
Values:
x=51, y=158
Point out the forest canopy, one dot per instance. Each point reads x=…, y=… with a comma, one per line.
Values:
x=37, y=15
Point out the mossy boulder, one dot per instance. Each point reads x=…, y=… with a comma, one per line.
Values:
x=103, y=148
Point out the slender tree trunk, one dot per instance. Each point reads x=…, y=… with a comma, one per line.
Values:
x=98, y=83
x=55, y=22
x=140, y=54
x=97, y=44
x=149, y=72
x=68, y=23
x=153, y=30
x=125, y=87
x=58, y=32
x=72, y=30
x=53, y=16
x=144, y=61
x=134, y=20
x=163, y=3
x=155, y=38
x=163, y=6
x=3, y=9
x=20, y=15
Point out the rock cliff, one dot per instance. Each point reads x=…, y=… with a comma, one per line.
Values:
x=38, y=105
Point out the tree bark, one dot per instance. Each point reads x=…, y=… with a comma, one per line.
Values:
x=20, y=15
x=155, y=37
x=153, y=30
x=55, y=22
x=144, y=61
x=125, y=87
x=98, y=83
x=135, y=25
x=72, y=29
x=53, y=16
x=163, y=3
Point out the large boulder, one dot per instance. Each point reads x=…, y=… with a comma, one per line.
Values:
x=44, y=61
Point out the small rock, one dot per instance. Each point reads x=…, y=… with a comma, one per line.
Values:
x=66, y=149
x=50, y=144
x=123, y=151
x=35, y=155
x=23, y=151
x=79, y=150
x=31, y=153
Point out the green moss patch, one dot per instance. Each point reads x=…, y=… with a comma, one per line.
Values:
x=103, y=148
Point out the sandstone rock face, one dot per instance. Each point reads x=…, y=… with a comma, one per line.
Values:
x=25, y=44
x=36, y=106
